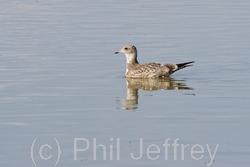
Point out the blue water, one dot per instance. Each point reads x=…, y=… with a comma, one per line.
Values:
x=60, y=81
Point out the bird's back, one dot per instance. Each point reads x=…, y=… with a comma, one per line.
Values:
x=148, y=70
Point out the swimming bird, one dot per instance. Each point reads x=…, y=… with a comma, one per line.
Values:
x=148, y=70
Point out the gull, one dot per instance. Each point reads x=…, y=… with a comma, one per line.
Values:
x=148, y=70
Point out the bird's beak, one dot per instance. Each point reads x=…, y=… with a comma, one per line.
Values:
x=117, y=52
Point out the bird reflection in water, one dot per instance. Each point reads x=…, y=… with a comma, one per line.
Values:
x=133, y=85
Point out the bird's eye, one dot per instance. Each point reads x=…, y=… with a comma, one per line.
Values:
x=126, y=48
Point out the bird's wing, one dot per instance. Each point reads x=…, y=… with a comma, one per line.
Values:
x=147, y=70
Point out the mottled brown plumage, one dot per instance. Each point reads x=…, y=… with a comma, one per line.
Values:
x=148, y=70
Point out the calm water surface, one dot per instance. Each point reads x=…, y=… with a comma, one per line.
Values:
x=62, y=85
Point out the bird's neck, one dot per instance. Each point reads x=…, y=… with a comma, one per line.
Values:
x=131, y=59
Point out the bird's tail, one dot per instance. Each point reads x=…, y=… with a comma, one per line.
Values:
x=184, y=65
x=175, y=67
